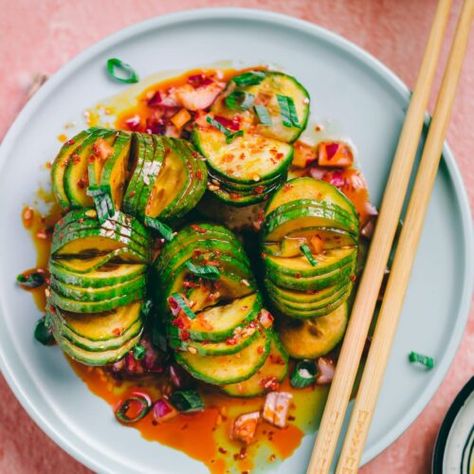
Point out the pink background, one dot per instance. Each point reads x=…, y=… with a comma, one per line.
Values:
x=40, y=36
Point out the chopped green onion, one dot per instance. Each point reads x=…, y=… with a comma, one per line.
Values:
x=121, y=71
x=304, y=374
x=30, y=280
x=187, y=401
x=229, y=135
x=263, y=115
x=177, y=300
x=416, y=358
x=288, y=111
x=103, y=204
x=250, y=78
x=144, y=405
x=138, y=352
x=205, y=271
x=239, y=100
x=309, y=256
x=43, y=333
x=165, y=230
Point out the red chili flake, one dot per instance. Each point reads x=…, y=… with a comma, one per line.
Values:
x=132, y=193
x=242, y=156
x=117, y=331
x=298, y=275
x=71, y=141
x=276, y=359
x=91, y=158
x=353, y=278
x=232, y=124
x=75, y=158
x=259, y=189
x=198, y=228
x=83, y=183
x=331, y=150
x=260, y=349
x=199, y=80
x=155, y=100
x=199, y=174
x=272, y=458
x=222, y=450
x=184, y=335
x=279, y=156
x=291, y=418
x=232, y=341
x=270, y=383
x=287, y=187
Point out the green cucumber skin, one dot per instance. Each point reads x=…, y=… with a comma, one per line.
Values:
x=67, y=276
x=244, y=188
x=211, y=380
x=97, y=294
x=96, y=359
x=311, y=313
x=61, y=161
x=313, y=272
x=85, y=148
x=73, y=306
x=228, y=350
x=318, y=283
x=306, y=208
x=233, y=390
x=305, y=298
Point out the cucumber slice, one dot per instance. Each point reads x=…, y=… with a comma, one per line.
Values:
x=219, y=322
x=309, y=339
x=107, y=275
x=74, y=306
x=265, y=93
x=311, y=189
x=316, y=283
x=114, y=173
x=60, y=164
x=247, y=159
x=290, y=245
x=300, y=266
x=100, y=327
x=305, y=214
x=137, y=158
x=274, y=369
x=76, y=179
x=95, y=358
x=231, y=345
x=227, y=369
x=103, y=293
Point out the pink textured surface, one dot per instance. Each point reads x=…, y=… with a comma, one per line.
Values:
x=42, y=36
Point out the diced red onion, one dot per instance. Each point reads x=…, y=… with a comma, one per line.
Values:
x=326, y=368
x=163, y=411
x=331, y=149
x=317, y=172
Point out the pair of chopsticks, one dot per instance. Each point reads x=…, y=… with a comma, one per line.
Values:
x=365, y=301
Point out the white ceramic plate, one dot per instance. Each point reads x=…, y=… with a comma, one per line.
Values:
x=366, y=101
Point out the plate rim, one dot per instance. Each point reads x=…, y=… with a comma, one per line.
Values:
x=245, y=14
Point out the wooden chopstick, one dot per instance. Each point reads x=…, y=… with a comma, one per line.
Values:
x=387, y=321
x=371, y=280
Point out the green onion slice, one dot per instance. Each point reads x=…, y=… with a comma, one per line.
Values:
x=416, y=358
x=138, y=352
x=121, y=71
x=187, y=401
x=209, y=272
x=165, y=231
x=176, y=300
x=103, y=204
x=138, y=402
x=250, y=78
x=43, y=333
x=30, y=280
x=288, y=113
x=229, y=135
x=309, y=256
x=263, y=115
x=239, y=100
x=304, y=374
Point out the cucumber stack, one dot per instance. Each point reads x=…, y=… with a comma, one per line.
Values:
x=246, y=138
x=213, y=311
x=309, y=243
x=98, y=283
x=148, y=176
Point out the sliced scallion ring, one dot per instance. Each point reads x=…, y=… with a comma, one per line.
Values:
x=139, y=402
x=187, y=401
x=416, y=358
x=262, y=114
x=177, y=300
x=121, y=71
x=250, y=78
x=304, y=374
x=209, y=272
